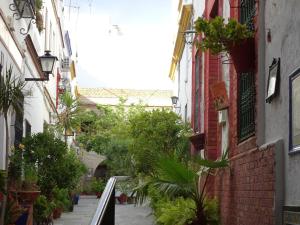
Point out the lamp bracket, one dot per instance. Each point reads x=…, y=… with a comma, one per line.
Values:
x=23, y=30
x=13, y=7
x=45, y=78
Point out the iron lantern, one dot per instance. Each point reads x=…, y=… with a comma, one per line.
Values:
x=174, y=100
x=25, y=8
x=47, y=62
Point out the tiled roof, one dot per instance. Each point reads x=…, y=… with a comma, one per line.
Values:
x=113, y=93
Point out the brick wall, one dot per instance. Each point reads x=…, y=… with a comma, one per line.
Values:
x=246, y=190
x=211, y=76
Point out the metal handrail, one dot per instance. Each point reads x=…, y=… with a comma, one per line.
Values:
x=105, y=213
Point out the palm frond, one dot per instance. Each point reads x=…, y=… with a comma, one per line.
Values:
x=171, y=170
x=141, y=191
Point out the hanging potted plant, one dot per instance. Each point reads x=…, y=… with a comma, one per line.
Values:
x=232, y=37
x=30, y=190
x=38, y=15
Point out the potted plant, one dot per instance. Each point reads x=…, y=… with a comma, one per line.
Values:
x=42, y=210
x=125, y=189
x=61, y=201
x=232, y=37
x=11, y=96
x=97, y=186
x=30, y=190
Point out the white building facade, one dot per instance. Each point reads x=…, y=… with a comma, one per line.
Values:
x=21, y=44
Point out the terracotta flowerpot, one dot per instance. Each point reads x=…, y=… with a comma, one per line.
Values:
x=243, y=55
x=57, y=213
x=28, y=196
x=123, y=198
x=99, y=194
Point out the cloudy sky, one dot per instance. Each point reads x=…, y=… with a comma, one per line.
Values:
x=123, y=43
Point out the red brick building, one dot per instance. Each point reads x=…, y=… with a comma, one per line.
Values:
x=250, y=190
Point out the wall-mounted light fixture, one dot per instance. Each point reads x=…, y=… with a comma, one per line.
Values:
x=24, y=9
x=47, y=63
x=174, y=102
x=189, y=36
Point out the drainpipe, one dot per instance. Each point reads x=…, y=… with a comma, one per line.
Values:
x=261, y=75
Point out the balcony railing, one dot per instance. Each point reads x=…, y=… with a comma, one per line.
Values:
x=105, y=213
x=248, y=13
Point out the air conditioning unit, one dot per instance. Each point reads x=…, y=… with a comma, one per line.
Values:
x=65, y=64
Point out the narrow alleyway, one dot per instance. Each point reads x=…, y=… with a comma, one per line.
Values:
x=125, y=214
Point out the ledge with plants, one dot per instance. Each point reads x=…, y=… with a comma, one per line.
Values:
x=232, y=37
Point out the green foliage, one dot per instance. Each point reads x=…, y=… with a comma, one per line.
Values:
x=175, y=179
x=61, y=198
x=30, y=176
x=157, y=133
x=56, y=165
x=211, y=210
x=220, y=36
x=97, y=185
x=15, y=166
x=178, y=212
x=42, y=209
x=106, y=131
x=11, y=93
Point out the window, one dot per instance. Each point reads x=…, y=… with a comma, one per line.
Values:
x=246, y=106
x=197, y=92
x=295, y=112
x=19, y=124
x=247, y=13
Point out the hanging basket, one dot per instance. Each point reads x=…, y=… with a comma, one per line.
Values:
x=243, y=55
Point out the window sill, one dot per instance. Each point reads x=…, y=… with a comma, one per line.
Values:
x=294, y=150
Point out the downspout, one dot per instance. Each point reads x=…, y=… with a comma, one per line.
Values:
x=260, y=115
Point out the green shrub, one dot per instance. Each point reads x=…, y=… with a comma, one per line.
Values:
x=42, y=209
x=178, y=212
x=61, y=198
x=211, y=209
x=97, y=185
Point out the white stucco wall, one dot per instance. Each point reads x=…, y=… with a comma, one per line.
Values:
x=15, y=53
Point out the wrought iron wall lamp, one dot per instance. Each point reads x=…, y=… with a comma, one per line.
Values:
x=47, y=63
x=24, y=9
x=189, y=36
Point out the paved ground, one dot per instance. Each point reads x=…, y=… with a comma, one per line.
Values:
x=131, y=215
x=125, y=214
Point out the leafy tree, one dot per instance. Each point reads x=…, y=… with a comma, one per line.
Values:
x=11, y=100
x=106, y=131
x=156, y=133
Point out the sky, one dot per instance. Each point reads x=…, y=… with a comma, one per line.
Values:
x=123, y=43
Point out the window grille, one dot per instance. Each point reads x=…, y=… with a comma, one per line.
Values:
x=247, y=13
x=246, y=106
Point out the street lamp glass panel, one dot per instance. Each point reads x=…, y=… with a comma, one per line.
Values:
x=174, y=100
x=25, y=8
x=47, y=62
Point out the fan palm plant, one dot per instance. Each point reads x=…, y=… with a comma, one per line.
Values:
x=175, y=179
x=11, y=100
x=67, y=117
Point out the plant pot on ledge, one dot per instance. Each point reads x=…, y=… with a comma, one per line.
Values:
x=243, y=55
